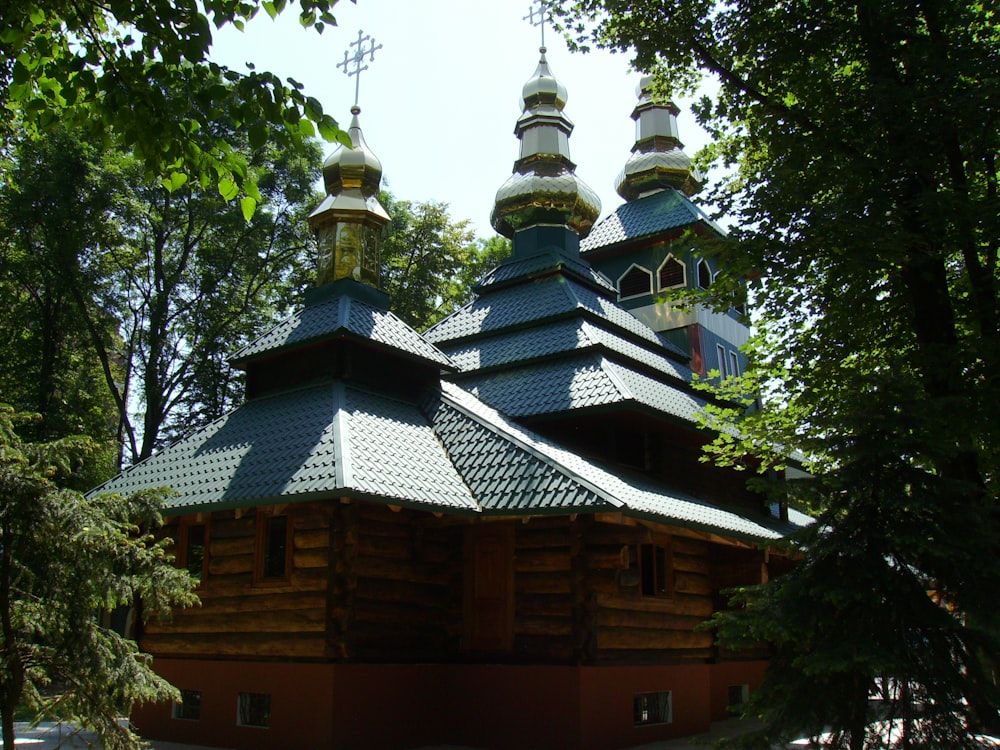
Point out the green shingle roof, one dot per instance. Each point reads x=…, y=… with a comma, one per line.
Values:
x=342, y=315
x=320, y=441
x=643, y=217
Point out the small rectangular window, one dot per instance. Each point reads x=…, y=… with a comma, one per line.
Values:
x=274, y=547
x=722, y=359
x=734, y=364
x=738, y=695
x=655, y=570
x=195, y=550
x=189, y=707
x=652, y=708
x=254, y=710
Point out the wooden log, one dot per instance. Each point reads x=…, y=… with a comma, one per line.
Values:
x=603, y=582
x=607, y=557
x=404, y=570
x=616, y=534
x=307, y=579
x=542, y=583
x=400, y=613
x=257, y=599
x=400, y=548
x=682, y=545
x=691, y=564
x=308, y=517
x=229, y=546
x=312, y=539
x=263, y=621
x=391, y=527
x=544, y=648
x=232, y=528
x=692, y=583
x=553, y=626
x=230, y=565
x=528, y=536
x=262, y=645
x=383, y=590
x=558, y=605
x=651, y=638
x=624, y=618
x=679, y=604
x=309, y=558
x=546, y=560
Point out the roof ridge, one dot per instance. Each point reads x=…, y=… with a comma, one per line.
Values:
x=341, y=439
x=494, y=425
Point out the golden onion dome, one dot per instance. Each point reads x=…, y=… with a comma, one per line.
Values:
x=544, y=188
x=658, y=161
x=348, y=223
x=355, y=167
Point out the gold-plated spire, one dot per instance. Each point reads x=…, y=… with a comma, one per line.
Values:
x=658, y=161
x=544, y=189
x=348, y=223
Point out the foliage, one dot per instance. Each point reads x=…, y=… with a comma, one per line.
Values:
x=63, y=558
x=147, y=289
x=430, y=263
x=107, y=69
x=53, y=222
x=861, y=141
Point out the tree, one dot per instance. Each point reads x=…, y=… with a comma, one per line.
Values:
x=102, y=69
x=862, y=142
x=63, y=558
x=149, y=289
x=430, y=263
x=54, y=205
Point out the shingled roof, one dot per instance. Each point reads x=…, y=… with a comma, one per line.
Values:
x=645, y=217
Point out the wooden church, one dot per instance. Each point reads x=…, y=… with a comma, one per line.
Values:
x=495, y=534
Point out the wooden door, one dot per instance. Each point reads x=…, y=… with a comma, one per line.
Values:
x=489, y=587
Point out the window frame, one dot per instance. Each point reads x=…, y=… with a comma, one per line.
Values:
x=178, y=710
x=702, y=263
x=656, y=719
x=183, y=543
x=649, y=288
x=723, y=365
x=244, y=694
x=654, y=557
x=734, y=363
x=659, y=273
x=265, y=516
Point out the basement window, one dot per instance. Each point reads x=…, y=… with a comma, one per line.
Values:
x=254, y=710
x=274, y=548
x=738, y=696
x=189, y=707
x=652, y=708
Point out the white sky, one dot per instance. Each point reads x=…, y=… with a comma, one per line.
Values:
x=441, y=97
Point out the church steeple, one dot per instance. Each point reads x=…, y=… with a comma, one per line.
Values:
x=658, y=161
x=544, y=189
x=348, y=223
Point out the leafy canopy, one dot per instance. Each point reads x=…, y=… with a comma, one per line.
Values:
x=861, y=147
x=108, y=69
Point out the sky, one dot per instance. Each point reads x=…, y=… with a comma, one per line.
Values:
x=441, y=97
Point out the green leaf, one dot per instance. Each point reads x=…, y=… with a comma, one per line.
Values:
x=248, y=206
x=306, y=128
x=174, y=181
x=270, y=9
x=228, y=188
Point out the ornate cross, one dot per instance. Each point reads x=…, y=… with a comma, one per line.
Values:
x=538, y=15
x=358, y=60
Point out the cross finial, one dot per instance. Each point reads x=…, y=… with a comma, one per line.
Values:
x=358, y=60
x=538, y=15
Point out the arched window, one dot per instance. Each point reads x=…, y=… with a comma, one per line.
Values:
x=635, y=282
x=704, y=274
x=672, y=273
